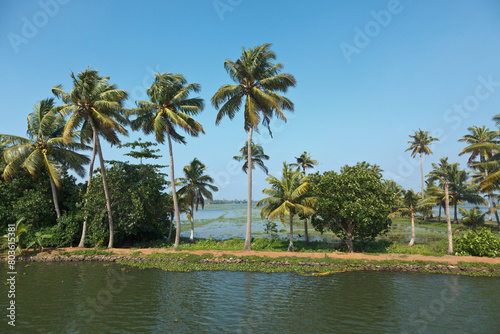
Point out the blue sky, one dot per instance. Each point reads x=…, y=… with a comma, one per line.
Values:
x=369, y=73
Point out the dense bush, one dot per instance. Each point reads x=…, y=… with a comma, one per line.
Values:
x=139, y=204
x=481, y=243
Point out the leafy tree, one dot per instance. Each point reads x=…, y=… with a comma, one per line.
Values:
x=169, y=107
x=94, y=103
x=258, y=157
x=372, y=168
x=258, y=80
x=141, y=205
x=305, y=161
x=442, y=172
x=420, y=145
x=355, y=203
x=196, y=188
x=287, y=197
x=397, y=191
x=43, y=149
x=145, y=151
x=472, y=218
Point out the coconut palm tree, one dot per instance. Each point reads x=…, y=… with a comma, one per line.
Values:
x=462, y=191
x=442, y=172
x=169, y=107
x=411, y=203
x=43, y=149
x=420, y=144
x=258, y=80
x=288, y=196
x=472, y=218
x=195, y=188
x=305, y=161
x=483, y=144
x=95, y=106
x=258, y=157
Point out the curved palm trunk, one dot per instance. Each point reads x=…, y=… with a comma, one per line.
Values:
x=290, y=246
x=54, y=197
x=422, y=176
x=170, y=228
x=91, y=171
x=412, y=241
x=448, y=221
x=496, y=211
x=191, y=238
x=174, y=195
x=248, y=234
x=104, y=184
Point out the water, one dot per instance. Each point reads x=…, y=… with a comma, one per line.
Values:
x=100, y=298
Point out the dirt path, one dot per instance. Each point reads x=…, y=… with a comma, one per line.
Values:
x=380, y=257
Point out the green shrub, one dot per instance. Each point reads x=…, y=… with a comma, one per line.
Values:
x=481, y=243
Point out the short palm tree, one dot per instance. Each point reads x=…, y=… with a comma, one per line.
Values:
x=461, y=190
x=43, y=149
x=442, y=173
x=420, y=145
x=411, y=203
x=472, y=218
x=195, y=187
x=258, y=80
x=169, y=107
x=94, y=106
x=305, y=161
x=287, y=197
x=258, y=157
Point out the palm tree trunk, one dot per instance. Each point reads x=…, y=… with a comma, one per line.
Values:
x=412, y=241
x=422, y=175
x=54, y=197
x=496, y=211
x=171, y=228
x=174, y=195
x=104, y=184
x=448, y=221
x=455, y=219
x=440, y=207
x=91, y=171
x=191, y=239
x=248, y=234
x=290, y=246
x=305, y=231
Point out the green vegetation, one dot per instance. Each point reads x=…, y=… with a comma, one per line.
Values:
x=480, y=243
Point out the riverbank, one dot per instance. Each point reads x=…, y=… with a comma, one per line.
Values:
x=315, y=264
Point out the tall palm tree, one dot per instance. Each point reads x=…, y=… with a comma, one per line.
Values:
x=195, y=188
x=95, y=106
x=420, y=144
x=258, y=80
x=287, y=196
x=258, y=157
x=305, y=161
x=43, y=149
x=169, y=107
x=442, y=172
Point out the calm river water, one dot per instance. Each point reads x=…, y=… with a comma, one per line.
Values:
x=100, y=298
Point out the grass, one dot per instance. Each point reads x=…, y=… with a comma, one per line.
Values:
x=182, y=262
